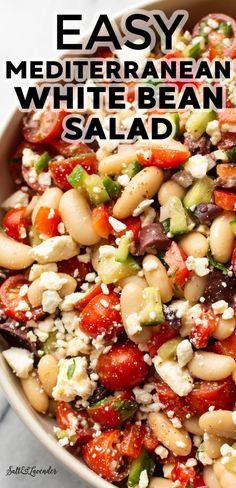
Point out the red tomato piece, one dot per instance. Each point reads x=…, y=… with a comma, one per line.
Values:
x=47, y=220
x=225, y=199
x=133, y=224
x=75, y=268
x=227, y=346
x=102, y=316
x=100, y=222
x=150, y=441
x=69, y=149
x=164, y=333
x=219, y=394
x=171, y=400
x=170, y=156
x=132, y=441
x=178, y=272
x=33, y=182
x=10, y=299
x=203, y=329
x=65, y=415
x=16, y=223
x=122, y=367
x=214, y=52
x=227, y=116
x=103, y=456
x=44, y=128
x=61, y=169
x=184, y=474
x=91, y=293
x=15, y=161
x=108, y=412
x=199, y=482
x=228, y=141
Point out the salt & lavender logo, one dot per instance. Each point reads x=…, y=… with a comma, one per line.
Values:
x=32, y=471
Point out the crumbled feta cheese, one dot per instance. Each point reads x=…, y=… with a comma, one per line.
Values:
x=23, y=290
x=29, y=157
x=199, y=39
x=204, y=458
x=107, y=251
x=197, y=166
x=70, y=301
x=22, y=306
x=180, y=307
x=184, y=352
x=73, y=380
x=180, y=46
x=55, y=249
x=133, y=324
x=37, y=269
x=19, y=198
x=220, y=155
x=141, y=207
x=90, y=277
x=45, y=179
x=123, y=180
x=143, y=479
x=50, y=301
x=148, y=216
x=116, y=224
x=162, y=452
x=20, y=360
x=220, y=306
x=199, y=265
x=213, y=23
x=177, y=378
x=213, y=130
x=228, y=313
x=142, y=396
x=49, y=280
x=84, y=258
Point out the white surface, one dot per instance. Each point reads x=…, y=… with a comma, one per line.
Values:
x=27, y=33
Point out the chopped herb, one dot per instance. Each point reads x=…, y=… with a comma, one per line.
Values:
x=71, y=369
x=126, y=408
x=42, y=162
x=226, y=28
x=216, y=264
x=231, y=153
x=166, y=225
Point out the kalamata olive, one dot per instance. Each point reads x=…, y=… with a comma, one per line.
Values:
x=183, y=178
x=202, y=145
x=17, y=336
x=206, y=212
x=171, y=317
x=219, y=287
x=151, y=236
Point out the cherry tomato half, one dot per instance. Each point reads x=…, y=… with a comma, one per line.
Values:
x=102, y=316
x=65, y=415
x=61, y=169
x=44, y=128
x=16, y=223
x=102, y=455
x=10, y=299
x=122, y=367
x=219, y=394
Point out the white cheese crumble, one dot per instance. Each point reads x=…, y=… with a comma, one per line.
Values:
x=55, y=249
x=220, y=307
x=133, y=324
x=29, y=157
x=19, y=198
x=117, y=225
x=20, y=360
x=184, y=352
x=50, y=301
x=141, y=207
x=49, y=280
x=123, y=180
x=162, y=452
x=73, y=380
x=197, y=166
x=143, y=479
x=70, y=301
x=199, y=265
x=178, y=379
x=213, y=130
x=228, y=313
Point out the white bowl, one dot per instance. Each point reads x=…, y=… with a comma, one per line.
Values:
x=41, y=426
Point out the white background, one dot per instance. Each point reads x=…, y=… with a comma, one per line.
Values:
x=27, y=33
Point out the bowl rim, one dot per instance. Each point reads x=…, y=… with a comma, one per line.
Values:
x=12, y=392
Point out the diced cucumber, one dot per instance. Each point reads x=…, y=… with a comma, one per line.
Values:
x=132, y=169
x=143, y=462
x=152, y=312
x=42, y=162
x=193, y=51
x=178, y=219
x=168, y=349
x=233, y=226
x=226, y=28
x=112, y=187
x=200, y=192
x=110, y=270
x=198, y=120
x=77, y=177
x=96, y=190
x=49, y=345
x=123, y=249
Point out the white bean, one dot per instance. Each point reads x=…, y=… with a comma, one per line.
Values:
x=228, y=479
x=157, y=482
x=47, y=371
x=157, y=277
x=35, y=394
x=192, y=426
x=222, y=238
x=77, y=217
x=209, y=366
x=224, y=328
x=14, y=254
x=113, y=164
x=219, y=423
x=170, y=189
x=194, y=288
x=50, y=198
x=144, y=185
x=177, y=440
x=213, y=444
x=131, y=301
x=138, y=280
x=36, y=289
x=210, y=477
x=194, y=244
